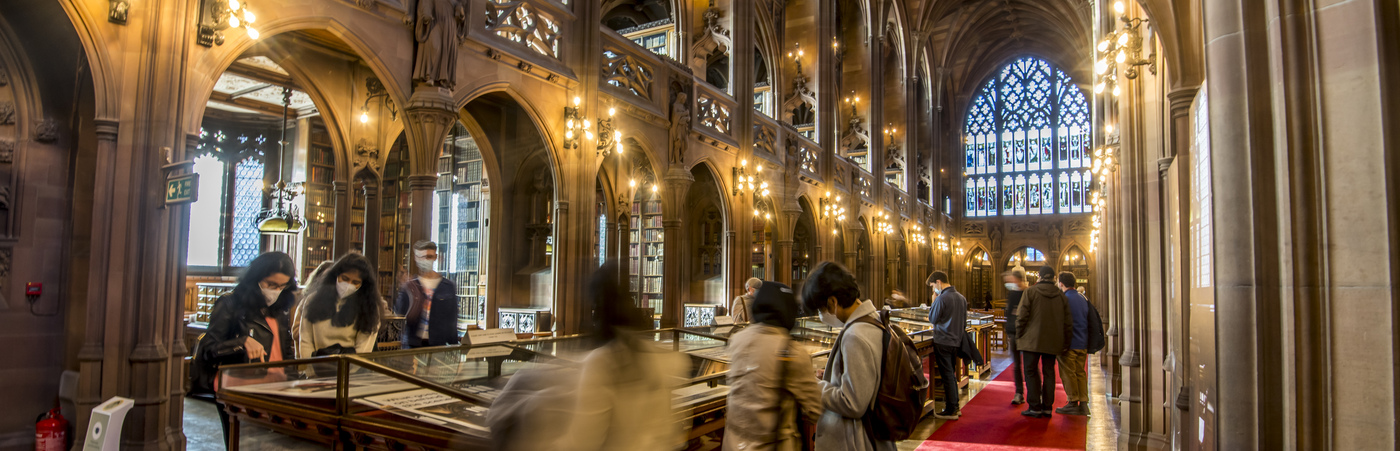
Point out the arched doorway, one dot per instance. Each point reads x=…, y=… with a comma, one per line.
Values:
x=704, y=265
x=1076, y=262
x=980, y=278
x=1028, y=258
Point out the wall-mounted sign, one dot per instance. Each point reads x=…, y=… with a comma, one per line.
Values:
x=182, y=189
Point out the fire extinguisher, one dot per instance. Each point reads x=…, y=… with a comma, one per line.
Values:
x=51, y=433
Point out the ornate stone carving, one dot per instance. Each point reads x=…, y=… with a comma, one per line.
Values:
x=807, y=159
x=713, y=39
x=625, y=71
x=6, y=256
x=792, y=159
x=1053, y=233
x=856, y=137
x=368, y=5
x=764, y=137
x=1025, y=227
x=525, y=67
x=713, y=114
x=440, y=25
x=4, y=76
x=46, y=131
x=7, y=151
x=1077, y=226
x=840, y=175
x=974, y=228
x=117, y=11
x=996, y=236
x=7, y=112
x=366, y=155
x=520, y=22
x=4, y=198
x=680, y=128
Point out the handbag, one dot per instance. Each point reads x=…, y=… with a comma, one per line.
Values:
x=208, y=357
x=335, y=349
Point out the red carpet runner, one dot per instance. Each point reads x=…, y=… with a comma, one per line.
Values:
x=990, y=423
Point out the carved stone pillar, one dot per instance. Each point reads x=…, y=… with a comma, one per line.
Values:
x=98, y=376
x=372, y=205
x=420, y=198
x=341, y=245
x=678, y=181
x=429, y=115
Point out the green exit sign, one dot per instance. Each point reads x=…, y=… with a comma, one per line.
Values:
x=182, y=189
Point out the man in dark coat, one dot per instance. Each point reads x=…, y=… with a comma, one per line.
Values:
x=1043, y=332
x=948, y=314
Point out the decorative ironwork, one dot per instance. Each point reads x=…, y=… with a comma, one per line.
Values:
x=713, y=114
x=627, y=72
x=520, y=22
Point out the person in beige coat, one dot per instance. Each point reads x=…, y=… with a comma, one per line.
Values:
x=1043, y=330
x=739, y=307
x=771, y=381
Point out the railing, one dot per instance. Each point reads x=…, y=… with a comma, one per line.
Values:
x=627, y=71
x=523, y=23
x=861, y=184
x=805, y=155
x=712, y=110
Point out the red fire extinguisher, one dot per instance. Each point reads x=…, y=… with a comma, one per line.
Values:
x=51, y=433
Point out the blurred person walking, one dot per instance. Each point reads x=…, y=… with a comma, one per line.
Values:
x=771, y=381
x=428, y=303
x=1015, y=281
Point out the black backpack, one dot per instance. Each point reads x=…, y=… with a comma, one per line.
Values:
x=899, y=400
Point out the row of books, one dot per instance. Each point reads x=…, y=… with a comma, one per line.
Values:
x=318, y=197
x=647, y=285
x=321, y=175
x=651, y=207
x=651, y=221
x=650, y=250
x=317, y=254
x=321, y=155
x=650, y=268
x=320, y=231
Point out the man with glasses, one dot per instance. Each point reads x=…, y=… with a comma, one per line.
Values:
x=428, y=303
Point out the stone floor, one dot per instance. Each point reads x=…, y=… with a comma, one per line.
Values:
x=202, y=432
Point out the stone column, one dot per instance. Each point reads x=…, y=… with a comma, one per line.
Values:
x=372, y=205
x=429, y=115
x=98, y=377
x=341, y=244
x=678, y=181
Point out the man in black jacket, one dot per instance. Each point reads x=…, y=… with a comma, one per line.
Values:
x=1015, y=281
x=428, y=302
x=948, y=314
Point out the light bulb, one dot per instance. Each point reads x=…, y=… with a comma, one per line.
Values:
x=617, y=135
x=755, y=212
x=1123, y=39
x=838, y=199
x=767, y=216
x=233, y=21
x=364, y=117
x=1122, y=56
x=1103, y=45
x=632, y=183
x=1098, y=88
x=611, y=111
x=233, y=5
x=252, y=33
x=1118, y=7
x=577, y=101
x=1116, y=91
x=1108, y=128
x=760, y=168
x=1101, y=66
x=249, y=17
x=743, y=162
x=569, y=124
x=568, y=134
x=587, y=124
x=587, y=134
x=619, y=148
x=765, y=192
x=654, y=188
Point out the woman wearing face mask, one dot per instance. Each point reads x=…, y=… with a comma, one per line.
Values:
x=428, y=303
x=250, y=323
x=342, y=312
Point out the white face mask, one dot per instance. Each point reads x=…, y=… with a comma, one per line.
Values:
x=830, y=319
x=425, y=265
x=345, y=289
x=937, y=290
x=271, y=295
x=1012, y=287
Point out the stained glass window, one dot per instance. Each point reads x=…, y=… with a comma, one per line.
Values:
x=247, y=201
x=1029, y=124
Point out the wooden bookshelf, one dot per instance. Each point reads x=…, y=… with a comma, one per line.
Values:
x=463, y=203
x=394, y=220
x=319, y=236
x=645, y=254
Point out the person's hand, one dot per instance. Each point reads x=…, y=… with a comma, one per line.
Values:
x=820, y=373
x=255, y=349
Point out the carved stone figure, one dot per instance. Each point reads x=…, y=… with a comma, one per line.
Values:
x=1054, y=234
x=7, y=151
x=440, y=25
x=46, y=131
x=680, y=127
x=996, y=238
x=7, y=113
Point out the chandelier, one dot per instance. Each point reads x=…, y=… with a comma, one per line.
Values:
x=282, y=215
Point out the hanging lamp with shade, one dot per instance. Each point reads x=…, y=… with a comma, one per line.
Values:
x=282, y=215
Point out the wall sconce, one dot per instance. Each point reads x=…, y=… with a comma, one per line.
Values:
x=882, y=224
x=609, y=137
x=746, y=183
x=853, y=100
x=374, y=89
x=761, y=208
x=833, y=211
x=917, y=234
x=575, y=123
x=215, y=16
x=1124, y=46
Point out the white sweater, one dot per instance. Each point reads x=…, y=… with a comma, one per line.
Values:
x=322, y=333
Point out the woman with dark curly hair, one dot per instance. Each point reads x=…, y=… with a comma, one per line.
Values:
x=342, y=311
x=250, y=324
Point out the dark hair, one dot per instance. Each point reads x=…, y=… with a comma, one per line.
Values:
x=247, y=295
x=775, y=305
x=937, y=276
x=425, y=245
x=1067, y=279
x=318, y=272
x=1019, y=274
x=829, y=280
x=1047, y=273
x=362, y=308
x=613, y=311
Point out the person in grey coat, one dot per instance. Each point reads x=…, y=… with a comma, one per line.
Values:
x=852, y=374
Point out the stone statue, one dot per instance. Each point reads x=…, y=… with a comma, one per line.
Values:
x=680, y=127
x=996, y=238
x=441, y=24
x=1054, y=234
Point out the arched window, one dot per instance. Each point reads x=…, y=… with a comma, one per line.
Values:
x=1029, y=123
x=223, y=222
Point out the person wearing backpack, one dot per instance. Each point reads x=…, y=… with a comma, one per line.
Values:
x=948, y=314
x=850, y=383
x=771, y=381
x=1043, y=331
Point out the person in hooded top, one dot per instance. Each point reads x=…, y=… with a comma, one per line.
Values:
x=1044, y=328
x=852, y=375
x=771, y=381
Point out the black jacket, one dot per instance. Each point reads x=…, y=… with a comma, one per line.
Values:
x=442, y=321
x=1096, y=335
x=228, y=329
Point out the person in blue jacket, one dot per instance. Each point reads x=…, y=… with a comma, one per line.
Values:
x=428, y=303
